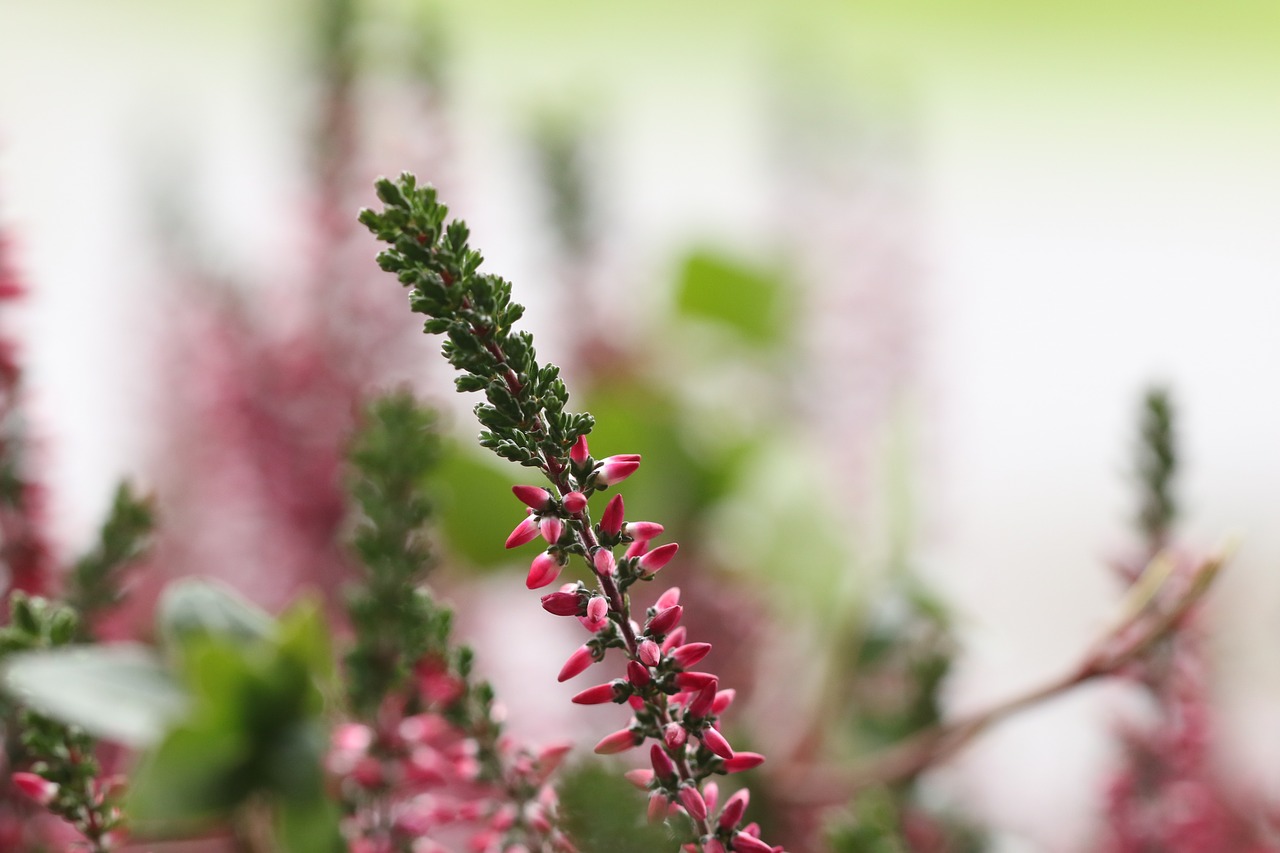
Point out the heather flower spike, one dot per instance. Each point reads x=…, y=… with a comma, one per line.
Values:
x=524, y=419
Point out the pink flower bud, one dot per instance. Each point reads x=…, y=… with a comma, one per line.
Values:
x=711, y=795
x=690, y=653
x=619, y=741
x=664, y=620
x=675, y=639
x=717, y=743
x=643, y=531
x=614, y=513
x=657, y=806
x=713, y=845
x=700, y=705
x=526, y=531
x=574, y=502
x=670, y=598
x=694, y=680
x=723, y=700
x=549, y=758
x=543, y=571
x=597, y=608
x=640, y=777
x=352, y=737
x=734, y=808
x=674, y=736
x=551, y=527
x=577, y=663
x=598, y=695
x=533, y=497
x=636, y=702
x=743, y=843
x=579, y=454
x=649, y=653
x=35, y=787
x=693, y=802
x=615, y=469
x=592, y=625
x=638, y=673
x=743, y=761
x=562, y=603
x=602, y=561
x=653, y=561
x=638, y=548
x=663, y=766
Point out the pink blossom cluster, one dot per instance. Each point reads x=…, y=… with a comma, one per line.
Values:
x=92, y=818
x=673, y=705
x=419, y=782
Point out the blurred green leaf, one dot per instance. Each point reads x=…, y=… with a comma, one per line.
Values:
x=200, y=607
x=750, y=301
x=119, y=692
x=603, y=813
x=477, y=510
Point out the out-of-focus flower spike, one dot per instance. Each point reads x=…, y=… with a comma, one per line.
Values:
x=534, y=497
x=619, y=741
x=580, y=453
x=690, y=653
x=614, y=514
x=562, y=603
x=543, y=571
x=716, y=743
x=734, y=808
x=615, y=469
x=640, y=777
x=35, y=787
x=742, y=761
x=602, y=561
x=670, y=598
x=551, y=527
x=653, y=561
x=649, y=653
x=598, y=695
x=574, y=502
x=693, y=803
x=664, y=620
x=526, y=531
x=577, y=663
x=643, y=530
x=723, y=700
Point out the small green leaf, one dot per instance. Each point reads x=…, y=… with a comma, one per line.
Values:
x=118, y=692
x=197, y=607
x=750, y=301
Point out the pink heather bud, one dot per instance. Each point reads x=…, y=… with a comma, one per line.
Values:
x=543, y=571
x=664, y=620
x=657, y=806
x=574, y=502
x=638, y=548
x=551, y=527
x=670, y=598
x=649, y=653
x=700, y=705
x=598, y=695
x=743, y=761
x=663, y=766
x=674, y=736
x=693, y=802
x=711, y=795
x=619, y=741
x=643, y=531
x=734, y=808
x=723, y=700
x=717, y=743
x=653, y=561
x=533, y=497
x=504, y=818
x=615, y=469
x=690, y=653
x=744, y=843
x=675, y=639
x=577, y=663
x=713, y=845
x=562, y=603
x=580, y=454
x=352, y=737
x=526, y=531
x=35, y=787
x=694, y=680
x=603, y=562
x=614, y=512
x=592, y=625
x=638, y=673
x=636, y=702
x=597, y=608
x=640, y=777
x=549, y=758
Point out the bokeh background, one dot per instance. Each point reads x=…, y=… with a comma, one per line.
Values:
x=877, y=287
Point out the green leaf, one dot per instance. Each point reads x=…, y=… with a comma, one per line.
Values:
x=477, y=510
x=191, y=778
x=197, y=607
x=118, y=692
x=604, y=814
x=751, y=302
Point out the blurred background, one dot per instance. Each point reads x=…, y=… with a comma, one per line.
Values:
x=875, y=288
